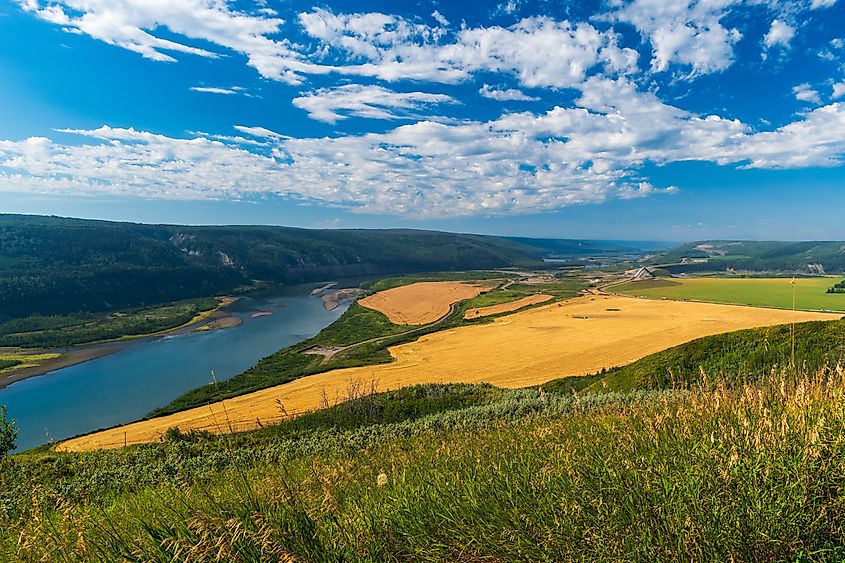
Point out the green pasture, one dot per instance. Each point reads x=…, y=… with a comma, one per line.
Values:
x=760, y=292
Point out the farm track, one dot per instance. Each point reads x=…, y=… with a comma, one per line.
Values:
x=330, y=353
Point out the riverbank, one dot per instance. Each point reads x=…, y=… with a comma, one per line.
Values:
x=148, y=375
x=213, y=319
x=335, y=299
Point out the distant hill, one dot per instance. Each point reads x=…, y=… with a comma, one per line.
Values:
x=52, y=265
x=567, y=248
x=791, y=257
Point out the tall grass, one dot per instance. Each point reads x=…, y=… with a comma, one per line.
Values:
x=752, y=472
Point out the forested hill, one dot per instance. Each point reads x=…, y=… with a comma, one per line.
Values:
x=574, y=248
x=51, y=265
x=789, y=257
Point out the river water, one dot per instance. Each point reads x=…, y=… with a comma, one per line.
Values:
x=148, y=374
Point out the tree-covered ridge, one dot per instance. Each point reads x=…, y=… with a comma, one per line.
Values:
x=800, y=257
x=57, y=266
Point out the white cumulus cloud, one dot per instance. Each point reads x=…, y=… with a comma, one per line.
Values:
x=538, y=51
x=805, y=93
x=133, y=24
x=505, y=94
x=780, y=33
x=519, y=163
x=688, y=32
x=374, y=102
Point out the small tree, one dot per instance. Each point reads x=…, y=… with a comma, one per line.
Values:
x=8, y=433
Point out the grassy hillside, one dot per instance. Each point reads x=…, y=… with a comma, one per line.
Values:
x=55, y=266
x=462, y=473
x=721, y=255
x=810, y=293
x=732, y=358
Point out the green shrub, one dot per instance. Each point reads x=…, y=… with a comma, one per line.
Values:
x=8, y=433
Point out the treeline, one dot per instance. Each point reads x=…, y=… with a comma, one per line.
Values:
x=837, y=288
x=67, y=330
x=758, y=256
x=9, y=363
x=57, y=291
x=55, y=266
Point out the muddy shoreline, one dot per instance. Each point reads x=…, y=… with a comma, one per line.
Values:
x=334, y=299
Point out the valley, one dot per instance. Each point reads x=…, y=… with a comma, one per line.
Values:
x=422, y=281
x=330, y=372
x=576, y=337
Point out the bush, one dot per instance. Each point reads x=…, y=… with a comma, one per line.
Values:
x=8, y=433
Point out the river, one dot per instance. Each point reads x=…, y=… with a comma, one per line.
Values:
x=148, y=374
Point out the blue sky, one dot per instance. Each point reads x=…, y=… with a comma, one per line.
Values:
x=618, y=119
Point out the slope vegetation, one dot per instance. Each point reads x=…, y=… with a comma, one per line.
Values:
x=752, y=353
x=438, y=473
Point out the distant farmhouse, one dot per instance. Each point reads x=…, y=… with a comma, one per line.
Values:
x=644, y=274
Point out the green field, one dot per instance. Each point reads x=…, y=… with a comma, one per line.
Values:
x=10, y=362
x=761, y=292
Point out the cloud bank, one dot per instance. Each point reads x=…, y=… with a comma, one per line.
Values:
x=598, y=123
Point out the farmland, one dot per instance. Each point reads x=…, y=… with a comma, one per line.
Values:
x=760, y=292
x=580, y=336
x=364, y=335
x=422, y=302
x=478, y=312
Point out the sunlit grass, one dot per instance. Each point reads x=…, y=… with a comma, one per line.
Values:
x=744, y=472
x=15, y=362
x=810, y=293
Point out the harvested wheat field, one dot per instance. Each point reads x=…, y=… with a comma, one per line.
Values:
x=422, y=302
x=574, y=337
x=506, y=307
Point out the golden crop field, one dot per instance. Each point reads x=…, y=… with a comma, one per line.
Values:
x=506, y=307
x=574, y=337
x=422, y=302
